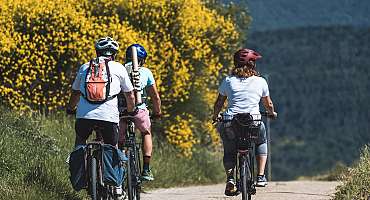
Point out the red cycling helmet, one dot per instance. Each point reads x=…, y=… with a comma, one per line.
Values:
x=243, y=56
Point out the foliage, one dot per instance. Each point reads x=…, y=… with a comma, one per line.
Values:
x=356, y=183
x=33, y=150
x=319, y=83
x=204, y=167
x=42, y=43
x=32, y=161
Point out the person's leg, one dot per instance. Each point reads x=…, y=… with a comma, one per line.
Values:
x=229, y=158
x=147, y=149
x=83, y=128
x=142, y=122
x=261, y=157
x=109, y=132
x=122, y=132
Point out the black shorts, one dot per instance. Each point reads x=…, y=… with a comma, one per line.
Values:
x=107, y=130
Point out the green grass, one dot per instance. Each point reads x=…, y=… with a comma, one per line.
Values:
x=170, y=169
x=356, y=181
x=33, y=150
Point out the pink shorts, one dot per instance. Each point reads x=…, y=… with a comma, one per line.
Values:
x=141, y=120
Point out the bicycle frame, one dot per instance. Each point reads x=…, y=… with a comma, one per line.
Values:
x=132, y=150
x=245, y=172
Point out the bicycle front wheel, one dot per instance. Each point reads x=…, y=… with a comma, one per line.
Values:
x=245, y=178
x=137, y=173
x=93, y=178
x=132, y=188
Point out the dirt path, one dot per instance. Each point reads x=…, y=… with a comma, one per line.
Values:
x=292, y=190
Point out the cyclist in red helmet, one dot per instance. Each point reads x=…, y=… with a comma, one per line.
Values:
x=244, y=89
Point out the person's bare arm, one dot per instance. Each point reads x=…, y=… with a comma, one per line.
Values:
x=130, y=101
x=269, y=106
x=154, y=95
x=73, y=100
x=218, y=106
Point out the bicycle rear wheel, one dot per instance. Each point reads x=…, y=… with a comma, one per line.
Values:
x=245, y=177
x=93, y=178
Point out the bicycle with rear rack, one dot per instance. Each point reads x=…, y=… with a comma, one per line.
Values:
x=97, y=188
x=102, y=171
x=246, y=128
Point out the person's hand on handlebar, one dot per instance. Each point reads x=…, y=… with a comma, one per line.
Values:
x=272, y=115
x=216, y=118
x=70, y=111
x=156, y=116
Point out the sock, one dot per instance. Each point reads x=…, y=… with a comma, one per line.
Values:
x=230, y=174
x=146, y=165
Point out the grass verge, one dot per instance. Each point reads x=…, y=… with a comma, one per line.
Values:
x=356, y=181
x=33, y=150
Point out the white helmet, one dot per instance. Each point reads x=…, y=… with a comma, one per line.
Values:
x=106, y=46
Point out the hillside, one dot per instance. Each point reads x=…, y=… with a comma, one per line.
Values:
x=319, y=81
x=283, y=14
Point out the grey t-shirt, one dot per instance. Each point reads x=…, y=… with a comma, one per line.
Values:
x=243, y=94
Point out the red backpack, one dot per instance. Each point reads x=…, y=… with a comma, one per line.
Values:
x=97, y=82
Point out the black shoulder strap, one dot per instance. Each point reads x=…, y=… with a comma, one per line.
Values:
x=87, y=74
x=108, y=83
x=107, y=97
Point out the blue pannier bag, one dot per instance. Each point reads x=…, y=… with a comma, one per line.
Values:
x=113, y=165
x=77, y=168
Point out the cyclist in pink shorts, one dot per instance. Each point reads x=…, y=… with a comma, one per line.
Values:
x=147, y=86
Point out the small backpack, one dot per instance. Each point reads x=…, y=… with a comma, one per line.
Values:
x=97, y=82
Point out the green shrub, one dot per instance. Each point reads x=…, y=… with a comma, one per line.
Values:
x=356, y=183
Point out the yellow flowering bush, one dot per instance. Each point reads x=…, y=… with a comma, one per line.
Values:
x=43, y=42
x=180, y=133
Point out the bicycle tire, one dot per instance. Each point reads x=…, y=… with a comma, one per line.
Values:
x=93, y=178
x=137, y=173
x=132, y=178
x=129, y=177
x=244, y=178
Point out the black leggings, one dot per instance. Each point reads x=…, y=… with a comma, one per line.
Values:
x=84, y=128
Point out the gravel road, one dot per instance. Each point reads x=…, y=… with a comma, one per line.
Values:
x=292, y=190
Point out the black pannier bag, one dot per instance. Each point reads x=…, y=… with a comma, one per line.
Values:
x=246, y=129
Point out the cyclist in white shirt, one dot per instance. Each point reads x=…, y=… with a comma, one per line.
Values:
x=243, y=89
x=103, y=116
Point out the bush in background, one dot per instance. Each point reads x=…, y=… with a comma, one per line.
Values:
x=356, y=182
x=42, y=43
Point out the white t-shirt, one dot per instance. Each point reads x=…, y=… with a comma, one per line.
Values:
x=243, y=94
x=107, y=111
